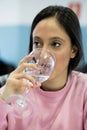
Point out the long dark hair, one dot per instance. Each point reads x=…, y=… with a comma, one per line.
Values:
x=69, y=21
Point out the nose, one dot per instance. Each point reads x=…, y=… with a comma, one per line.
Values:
x=44, y=51
x=44, y=48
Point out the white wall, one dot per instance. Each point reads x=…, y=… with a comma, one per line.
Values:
x=23, y=11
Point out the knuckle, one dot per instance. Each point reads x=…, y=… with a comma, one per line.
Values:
x=23, y=65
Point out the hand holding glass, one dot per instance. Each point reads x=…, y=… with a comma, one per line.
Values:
x=23, y=106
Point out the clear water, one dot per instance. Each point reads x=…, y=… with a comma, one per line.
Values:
x=40, y=78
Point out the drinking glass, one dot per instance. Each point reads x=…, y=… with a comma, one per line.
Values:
x=21, y=105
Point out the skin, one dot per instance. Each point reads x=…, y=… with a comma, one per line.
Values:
x=48, y=34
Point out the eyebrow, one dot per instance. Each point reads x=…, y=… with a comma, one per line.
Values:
x=52, y=38
x=58, y=38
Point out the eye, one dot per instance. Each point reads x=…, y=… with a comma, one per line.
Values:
x=56, y=44
x=37, y=44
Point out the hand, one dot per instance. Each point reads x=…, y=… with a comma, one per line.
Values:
x=16, y=82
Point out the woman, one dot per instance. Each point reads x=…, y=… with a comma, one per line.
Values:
x=61, y=101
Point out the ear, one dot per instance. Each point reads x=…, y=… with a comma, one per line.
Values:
x=74, y=51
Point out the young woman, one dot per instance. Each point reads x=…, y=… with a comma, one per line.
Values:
x=61, y=101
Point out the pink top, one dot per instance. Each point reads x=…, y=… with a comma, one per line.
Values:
x=65, y=109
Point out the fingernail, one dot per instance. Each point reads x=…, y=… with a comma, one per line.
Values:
x=37, y=83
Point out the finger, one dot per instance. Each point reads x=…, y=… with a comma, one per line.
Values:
x=25, y=59
x=24, y=76
x=23, y=66
x=16, y=86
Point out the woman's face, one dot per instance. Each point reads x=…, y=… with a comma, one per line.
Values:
x=49, y=34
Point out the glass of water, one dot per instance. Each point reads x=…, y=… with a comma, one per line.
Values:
x=45, y=60
x=21, y=105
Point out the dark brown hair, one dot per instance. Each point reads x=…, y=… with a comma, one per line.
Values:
x=69, y=21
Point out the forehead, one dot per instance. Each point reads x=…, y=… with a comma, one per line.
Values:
x=48, y=23
x=50, y=27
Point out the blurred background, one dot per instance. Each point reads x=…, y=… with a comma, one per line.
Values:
x=15, y=21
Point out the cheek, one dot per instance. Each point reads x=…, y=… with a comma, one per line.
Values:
x=62, y=62
x=62, y=59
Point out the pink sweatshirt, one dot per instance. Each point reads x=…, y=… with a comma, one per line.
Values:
x=65, y=109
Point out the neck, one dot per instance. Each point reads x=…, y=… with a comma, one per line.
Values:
x=54, y=84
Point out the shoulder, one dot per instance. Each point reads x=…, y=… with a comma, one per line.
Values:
x=79, y=80
x=79, y=76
